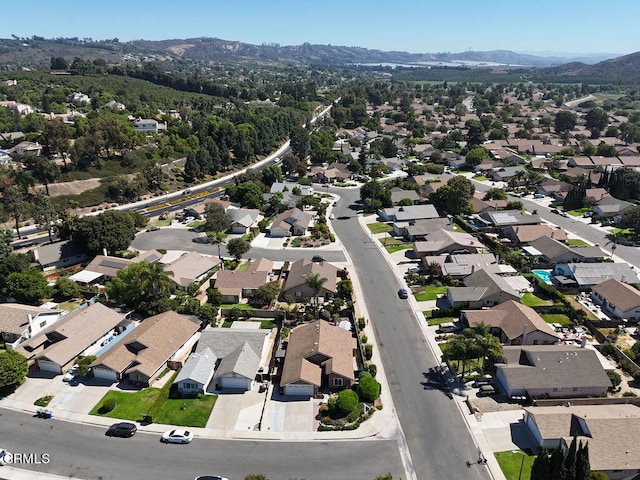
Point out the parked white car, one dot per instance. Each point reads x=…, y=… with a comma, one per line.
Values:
x=177, y=436
x=71, y=374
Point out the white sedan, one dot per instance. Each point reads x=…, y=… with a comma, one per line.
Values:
x=177, y=436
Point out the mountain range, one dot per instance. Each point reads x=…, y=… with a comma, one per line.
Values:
x=36, y=52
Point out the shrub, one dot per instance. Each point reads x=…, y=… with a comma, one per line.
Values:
x=331, y=404
x=636, y=376
x=347, y=400
x=368, y=387
x=373, y=369
x=368, y=351
x=364, y=338
x=355, y=413
x=108, y=405
x=324, y=408
x=629, y=394
x=361, y=323
x=43, y=401
x=614, y=377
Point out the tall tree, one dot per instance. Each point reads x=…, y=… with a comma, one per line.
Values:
x=217, y=239
x=44, y=212
x=13, y=368
x=565, y=121
x=315, y=283
x=216, y=218
x=15, y=205
x=56, y=139
x=46, y=172
x=238, y=247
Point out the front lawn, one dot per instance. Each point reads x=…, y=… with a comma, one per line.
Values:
x=397, y=248
x=480, y=178
x=430, y=292
x=576, y=242
x=184, y=412
x=512, y=463
x=438, y=321
x=578, y=212
x=531, y=300
x=379, y=227
x=560, y=318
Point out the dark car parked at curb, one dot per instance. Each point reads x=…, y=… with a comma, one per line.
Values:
x=122, y=429
x=317, y=258
x=402, y=293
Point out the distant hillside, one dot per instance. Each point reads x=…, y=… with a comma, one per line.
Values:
x=37, y=52
x=625, y=68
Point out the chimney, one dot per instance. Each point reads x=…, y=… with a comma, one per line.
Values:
x=104, y=251
x=524, y=333
x=473, y=268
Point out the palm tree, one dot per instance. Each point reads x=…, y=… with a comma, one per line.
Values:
x=154, y=280
x=614, y=239
x=315, y=283
x=490, y=347
x=217, y=238
x=463, y=349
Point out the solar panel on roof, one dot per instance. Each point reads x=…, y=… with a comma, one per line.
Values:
x=108, y=262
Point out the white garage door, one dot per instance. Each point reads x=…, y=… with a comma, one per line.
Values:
x=236, y=383
x=299, y=390
x=49, y=366
x=105, y=374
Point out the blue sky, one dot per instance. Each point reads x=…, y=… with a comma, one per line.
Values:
x=417, y=26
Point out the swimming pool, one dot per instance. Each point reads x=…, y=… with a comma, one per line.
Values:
x=545, y=275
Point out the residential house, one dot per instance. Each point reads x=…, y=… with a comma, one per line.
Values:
x=524, y=234
x=446, y=241
x=482, y=289
x=508, y=155
x=479, y=205
x=398, y=194
x=610, y=206
x=238, y=286
x=319, y=354
x=595, y=194
x=618, y=300
x=408, y=213
x=610, y=431
x=26, y=149
x=78, y=98
x=58, y=255
x=242, y=359
x=191, y=268
x=142, y=354
x=105, y=267
x=55, y=348
x=505, y=174
x=632, y=161
x=551, y=187
x=22, y=108
x=148, y=125
x=552, y=371
x=296, y=285
x=551, y=251
x=305, y=190
x=336, y=172
x=582, y=162
x=504, y=218
x=196, y=374
x=5, y=158
x=113, y=105
x=20, y=322
x=427, y=183
x=243, y=220
x=290, y=222
x=584, y=276
x=513, y=323
x=460, y=266
x=419, y=229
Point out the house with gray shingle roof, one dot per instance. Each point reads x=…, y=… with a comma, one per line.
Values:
x=586, y=275
x=290, y=222
x=191, y=268
x=504, y=218
x=58, y=255
x=408, y=213
x=446, y=241
x=610, y=430
x=552, y=371
x=196, y=373
x=242, y=356
x=242, y=219
x=482, y=289
x=610, y=206
x=618, y=300
x=550, y=250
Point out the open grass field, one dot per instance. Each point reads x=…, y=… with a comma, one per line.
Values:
x=379, y=227
x=515, y=464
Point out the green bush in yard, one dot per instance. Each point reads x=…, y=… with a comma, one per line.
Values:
x=368, y=387
x=347, y=401
x=108, y=405
x=368, y=351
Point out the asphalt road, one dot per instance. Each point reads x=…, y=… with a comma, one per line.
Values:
x=584, y=230
x=176, y=238
x=77, y=451
x=438, y=439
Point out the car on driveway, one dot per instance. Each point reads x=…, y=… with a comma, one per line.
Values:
x=178, y=435
x=402, y=293
x=122, y=429
x=71, y=374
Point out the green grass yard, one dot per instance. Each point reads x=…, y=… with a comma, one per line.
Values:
x=430, y=292
x=531, y=300
x=397, y=248
x=576, y=242
x=560, y=318
x=511, y=462
x=379, y=227
x=187, y=412
x=438, y=321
